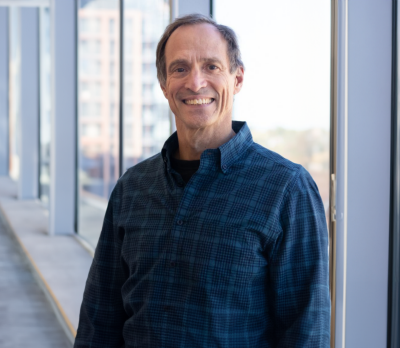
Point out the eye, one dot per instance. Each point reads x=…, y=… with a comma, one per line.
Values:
x=212, y=67
x=180, y=70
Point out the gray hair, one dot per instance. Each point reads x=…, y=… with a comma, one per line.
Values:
x=235, y=59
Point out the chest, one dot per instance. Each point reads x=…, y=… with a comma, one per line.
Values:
x=211, y=231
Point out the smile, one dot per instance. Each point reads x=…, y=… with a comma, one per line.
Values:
x=198, y=101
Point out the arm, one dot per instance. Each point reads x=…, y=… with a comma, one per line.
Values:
x=299, y=269
x=102, y=314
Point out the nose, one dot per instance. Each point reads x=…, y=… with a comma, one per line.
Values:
x=195, y=80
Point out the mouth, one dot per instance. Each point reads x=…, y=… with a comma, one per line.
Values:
x=200, y=101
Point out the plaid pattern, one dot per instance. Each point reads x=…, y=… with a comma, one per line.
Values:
x=236, y=258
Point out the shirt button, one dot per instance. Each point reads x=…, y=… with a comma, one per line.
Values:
x=165, y=159
x=223, y=166
x=180, y=222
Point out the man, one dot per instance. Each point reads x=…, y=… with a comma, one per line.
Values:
x=215, y=241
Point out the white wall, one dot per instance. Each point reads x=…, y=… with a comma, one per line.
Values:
x=364, y=167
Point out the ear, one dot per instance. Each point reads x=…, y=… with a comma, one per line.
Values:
x=238, y=80
x=164, y=90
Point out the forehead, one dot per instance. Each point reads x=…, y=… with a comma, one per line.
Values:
x=196, y=41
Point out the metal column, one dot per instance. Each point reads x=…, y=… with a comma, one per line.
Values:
x=28, y=127
x=63, y=119
x=3, y=91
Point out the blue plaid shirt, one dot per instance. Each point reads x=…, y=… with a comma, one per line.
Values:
x=236, y=258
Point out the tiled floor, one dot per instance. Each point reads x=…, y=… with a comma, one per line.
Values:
x=26, y=318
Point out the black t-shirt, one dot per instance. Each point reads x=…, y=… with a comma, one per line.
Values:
x=185, y=168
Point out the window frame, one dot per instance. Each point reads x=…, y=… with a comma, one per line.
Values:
x=393, y=334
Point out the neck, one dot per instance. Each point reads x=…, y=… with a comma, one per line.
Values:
x=193, y=142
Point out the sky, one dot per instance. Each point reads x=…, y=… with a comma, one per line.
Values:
x=285, y=47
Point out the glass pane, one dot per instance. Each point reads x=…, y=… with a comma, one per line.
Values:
x=146, y=111
x=286, y=93
x=98, y=116
x=45, y=105
x=14, y=92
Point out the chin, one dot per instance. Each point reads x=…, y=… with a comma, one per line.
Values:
x=201, y=123
x=197, y=121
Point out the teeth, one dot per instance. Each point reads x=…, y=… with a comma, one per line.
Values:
x=198, y=101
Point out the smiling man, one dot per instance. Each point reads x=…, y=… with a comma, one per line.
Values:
x=215, y=241
x=199, y=85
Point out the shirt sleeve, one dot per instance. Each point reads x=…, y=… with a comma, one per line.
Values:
x=299, y=278
x=102, y=315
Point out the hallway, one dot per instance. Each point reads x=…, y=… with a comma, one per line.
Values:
x=26, y=317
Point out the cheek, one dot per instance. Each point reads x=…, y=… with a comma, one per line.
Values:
x=170, y=95
x=227, y=94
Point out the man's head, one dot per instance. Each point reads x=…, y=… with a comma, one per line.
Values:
x=199, y=68
x=228, y=34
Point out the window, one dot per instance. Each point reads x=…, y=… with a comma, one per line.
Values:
x=84, y=25
x=89, y=25
x=91, y=130
x=144, y=23
x=97, y=68
x=98, y=152
x=129, y=27
x=285, y=98
x=112, y=48
x=97, y=89
x=98, y=115
x=128, y=131
x=112, y=111
x=128, y=68
x=128, y=90
x=112, y=26
x=84, y=46
x=97, y=110
x=128, y=111
x=128, y=48
x=15, y=94
x=112, y=91
x=45, y=106
x=84, y=111
x=112, y=69
x=97, y=47
x=286, y=94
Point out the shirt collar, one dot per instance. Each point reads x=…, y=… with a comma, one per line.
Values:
x=228, y=152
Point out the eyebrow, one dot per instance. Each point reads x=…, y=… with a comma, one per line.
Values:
x=186, y=62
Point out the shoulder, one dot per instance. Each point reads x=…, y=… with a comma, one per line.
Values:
x=292, y=178
x=274, y=158
x=146, y=168
x=135, y=178
x=279, y=168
